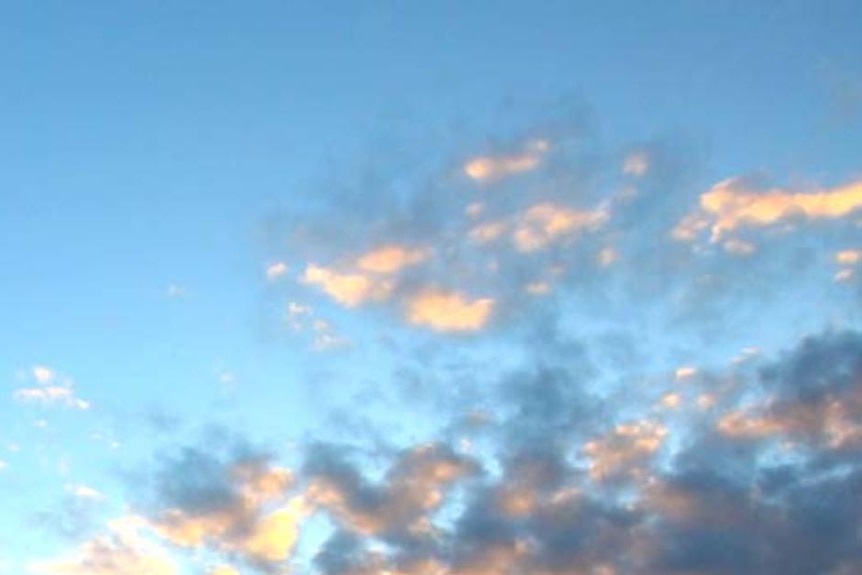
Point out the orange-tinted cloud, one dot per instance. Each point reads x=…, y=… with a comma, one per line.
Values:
x=348, y=289
x=391, y=259
x=624, y=449
x=261, y=526
x=731, y=205
x=491, y=168
x=848, y=257
x=546, y=223
x=835, y=421
x=449, y=311
x=124, y=550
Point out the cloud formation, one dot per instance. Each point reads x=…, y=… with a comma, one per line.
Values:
x=449, y=312
x=654, y=497
x=733, y=204
x=238, y=504
x=123, y=550
x=51, y=388
x=497, y=167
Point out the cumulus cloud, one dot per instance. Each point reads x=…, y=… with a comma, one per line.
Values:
x=759, y=483
x=606, y=444
x=414, y=487
x=723, y=503
x=233, y=501
x=624, y=449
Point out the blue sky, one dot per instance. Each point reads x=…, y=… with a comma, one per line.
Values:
x=415, y=288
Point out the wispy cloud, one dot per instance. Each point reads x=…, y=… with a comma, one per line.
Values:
x=51, y=389
x=124, y=549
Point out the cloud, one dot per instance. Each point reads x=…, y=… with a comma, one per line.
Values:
x=824, y=409
x=624, y=449
x=234, y=502
x=302, y=318
x=415, y=486
x=348, y=289
x=685, y=372
x=276, y=270
x=636, y=164
x=448, y=311
x=51, y=389
x=539, y=226
x=849, y=260
x=52, y=394
x=546, y=223
x=732, y=205
x=562, y=228
x=43, y=375
x=657, y=496
x=124, y=550
x=595, y=454
x=493, y=168
x=391, y=259
x=848, y=257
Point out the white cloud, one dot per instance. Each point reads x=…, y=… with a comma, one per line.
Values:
x=51, y=389
x=636, y=164
x=276, y=270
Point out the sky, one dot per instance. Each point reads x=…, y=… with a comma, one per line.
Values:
x=439, y=288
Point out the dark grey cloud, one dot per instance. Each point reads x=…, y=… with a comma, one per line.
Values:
x=723, y=504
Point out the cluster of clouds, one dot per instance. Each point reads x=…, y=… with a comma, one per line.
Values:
x=764, y=478
x=544, y=468
x=482, y=238
x=229, y=501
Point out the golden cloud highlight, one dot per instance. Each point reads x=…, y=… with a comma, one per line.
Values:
x=491, y=168
x=623, y=450
x=547, y=223
x=731, y=205
x=122, y=551
x=391, y=259
x=262, y=526
x=446, y=311
x=348, y=289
